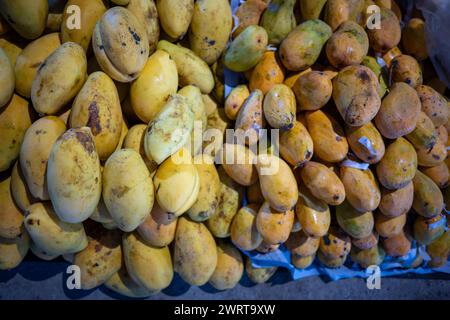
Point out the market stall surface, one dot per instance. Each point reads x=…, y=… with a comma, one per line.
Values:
x=36, y=279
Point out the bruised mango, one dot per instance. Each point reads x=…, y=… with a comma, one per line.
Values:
x=267, y=73
x=424, y=135
x=249, y=13
x=433, y=104
x=280, y=107
x=296, y=145
x=235, y=101
x=250, y=120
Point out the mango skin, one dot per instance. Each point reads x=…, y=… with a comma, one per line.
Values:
x=52, y=235
x=406, y=69
x=370, y=133
x=311, y=9
x=128, y=190
x=35, y=151
x=267, y=73
x=313, y=214
x=230, y=199
x=389, y=35
x=177, y=183
x=439, y=250
x=134, y=139
x=235, y=101
x=238, y=162
x=209, y=35
x=323, y=183
x=244, y=233
x=399, y=112
x=249, y=13
x=13, y=251
x=73, y=155
x=355, y=223
x=51, y=88
x=97, y=106
x=361, y=188
x=11, y=50
x=27, y=19
x=122, y=283
x=157, y=81
x=30, y=59
x=274, y=226
x=246, y=50
x=433, y=104
x=258, y=275
x=147, y=14
x=328, y=136
x=195, y=252
x=278, y=186
x=296, y=145
x=336, y=244
x=230, y=267
x=192, y=70
x=158, y=229
x=398, y=245
x=427, y=230
x=425, y=134
x=150, y=267
x=302, y=46
x=439, y=174
x=208, y=197
x=15, y=119
x=339, y=11
x=90, y=13
x=301, y=244
x=101, y=259
x=428, y=199
x=355, y=92
x=301, y=262
x=396, y=202
x=373, y=65
x=279, y=19
x=250, y=120
x=11, y=218
x=6, y=78
x=367, y=242
x=175, y=16
x=413, y=39
x=169, y=131
x=389, y=226
x=348, y=45
x=116, y=27
x=369, y=257
x=313, y=90
x=398, y=166
x=19, y=190
x=280, y=107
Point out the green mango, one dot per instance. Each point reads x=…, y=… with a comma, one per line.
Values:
x=372, y=64
x=302, y=46
x=368, y=257
x=247, y=49
x=357, y=224
x=279, y=20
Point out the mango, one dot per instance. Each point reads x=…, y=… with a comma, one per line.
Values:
x=175, y=16
x=229, y=268
x=147, y=14
x=15, y=119
x=35, y=151
x=238, y=162
x=274, y=226
x=424, y=134
x=209, y=35
x=398, y=166
x=366, y=142
x=6, y=78
x=278, y=20
x=150, y=267
x=389, y=226
x=339, y=11
x=396, y=202
x=302, y=46
x=258, y=275
x=235, y=101
x=13, y=251
x=195, y=252
x=427, y=230
x=244, y=232
x=158, y=229
x=388, y=35
x=312, y=90
x=296, y=145
x=433, y=104
x=428, y=198
x=249, y=13
x=192, y=70
x=128, y=196
x=406, y=69
x=323, y=183
x=368, y=257
x=59, y=78
x=267, y=73
x=355, y=223
x=334, y=245
x=19, y=190
x=398, y=245
x=413, y=39
x=361, y=188
x=355, y=93
x=280, y=107
x=246, y=50
x=52, y=235
x=301, y=244
x=313, y=214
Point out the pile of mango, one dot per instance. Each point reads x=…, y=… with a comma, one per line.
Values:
x=98, y=101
